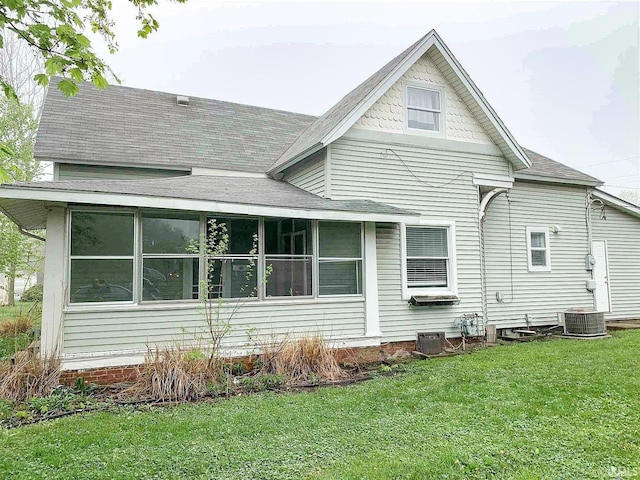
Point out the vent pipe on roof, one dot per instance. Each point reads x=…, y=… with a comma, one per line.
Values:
x=182, y=100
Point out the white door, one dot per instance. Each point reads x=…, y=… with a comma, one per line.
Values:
x=602, y=295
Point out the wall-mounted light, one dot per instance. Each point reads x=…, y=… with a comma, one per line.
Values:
x=556, y=228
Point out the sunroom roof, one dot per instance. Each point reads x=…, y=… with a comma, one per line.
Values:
x=25, y=203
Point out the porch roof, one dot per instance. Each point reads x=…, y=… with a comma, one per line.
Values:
x=26, y=203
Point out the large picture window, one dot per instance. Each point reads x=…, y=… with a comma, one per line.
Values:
x=102, y=257
x=340, y=258
x=171, y=259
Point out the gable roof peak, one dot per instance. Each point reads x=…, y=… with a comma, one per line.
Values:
x=339, y=118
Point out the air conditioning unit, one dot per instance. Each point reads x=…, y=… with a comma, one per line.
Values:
x=583, y=322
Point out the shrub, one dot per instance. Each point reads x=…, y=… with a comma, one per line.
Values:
x=27, y=377
x=14, y=327
x=303, y=360
x=32, y=294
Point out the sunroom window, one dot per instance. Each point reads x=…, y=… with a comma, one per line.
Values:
x=424, y=108
x=171, y=260
x=340, y=258
x=232, y=257
x=102, y=257
x=288, y=244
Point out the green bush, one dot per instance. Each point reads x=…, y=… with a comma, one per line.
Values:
x=32, y=294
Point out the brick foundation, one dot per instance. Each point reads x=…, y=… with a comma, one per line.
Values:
x=360, y=355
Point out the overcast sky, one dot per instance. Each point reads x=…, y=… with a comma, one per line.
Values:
x=564, y=77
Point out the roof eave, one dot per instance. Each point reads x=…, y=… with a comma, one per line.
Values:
x=618, y=202
x=171, y=203
x=545, y=179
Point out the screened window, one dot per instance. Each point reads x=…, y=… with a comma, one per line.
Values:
x=288, y=244
x=340, y=258
x=232, y=254
x=102, y=257
x=428, y=257
x=170, y=257
x=538, y=251
x=423, y=109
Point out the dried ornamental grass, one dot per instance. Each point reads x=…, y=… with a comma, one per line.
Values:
x=25, y=377
x=14, y=327
x=301, y=360
x=172, y=374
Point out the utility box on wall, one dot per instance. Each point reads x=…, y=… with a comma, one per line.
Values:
x=431, y=343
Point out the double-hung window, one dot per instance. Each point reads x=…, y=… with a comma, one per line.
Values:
x=424, y=108
x=170, y=257
x=340, y=258
x=538, y=250
x=429, y=260
x=102, y=257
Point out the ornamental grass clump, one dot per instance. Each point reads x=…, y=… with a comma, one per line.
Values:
x=28, y=376
x=172, y=373
x=16, y=326
x=303, y=360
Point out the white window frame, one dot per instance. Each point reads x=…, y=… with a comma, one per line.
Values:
x=441, y=124
x=530, y=266
x=319, y=259
x=452, y=276
x=134, y=257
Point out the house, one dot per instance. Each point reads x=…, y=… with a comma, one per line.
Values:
x=406, y=207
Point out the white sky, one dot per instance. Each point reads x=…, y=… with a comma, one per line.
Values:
x=564, y=77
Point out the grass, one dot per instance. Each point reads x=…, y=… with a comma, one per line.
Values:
x=8, y=346
x=556, y=409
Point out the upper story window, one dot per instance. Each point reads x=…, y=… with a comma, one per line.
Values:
x=424, y=109
x=538, y=250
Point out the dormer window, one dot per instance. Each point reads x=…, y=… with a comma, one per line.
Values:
x=424, y=108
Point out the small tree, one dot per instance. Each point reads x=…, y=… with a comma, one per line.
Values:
x=17, y=131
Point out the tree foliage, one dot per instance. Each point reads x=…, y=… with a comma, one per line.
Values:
x=17, y=133
x=56, y=30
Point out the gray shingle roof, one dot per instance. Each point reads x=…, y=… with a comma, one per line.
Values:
x=129, y=126
x=542, y=166
x=315, y=132
x=236, y=190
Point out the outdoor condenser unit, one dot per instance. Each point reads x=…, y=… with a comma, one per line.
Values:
x=584, y=322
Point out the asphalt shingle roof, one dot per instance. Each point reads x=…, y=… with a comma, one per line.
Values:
x=542, y=166
x=236, y=190
x=129, y=126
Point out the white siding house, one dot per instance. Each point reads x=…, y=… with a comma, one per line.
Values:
x=403, y=208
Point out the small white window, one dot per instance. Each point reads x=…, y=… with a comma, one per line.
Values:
x=538, y=250
x=424, y=109
x=429, y=260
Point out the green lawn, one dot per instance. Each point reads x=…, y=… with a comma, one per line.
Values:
x=558, y=409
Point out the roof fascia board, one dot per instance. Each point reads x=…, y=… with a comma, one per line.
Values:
x=374, y=95
x=145, y=201
x=219, y=172
x=142, y=166
x=308, y=152
x=484, y=105
x=541, y=179
x=618, y=202
x=430, y=143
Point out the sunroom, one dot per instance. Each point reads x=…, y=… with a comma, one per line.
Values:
x=129, y=263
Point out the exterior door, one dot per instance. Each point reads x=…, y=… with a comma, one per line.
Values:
x=602, y=295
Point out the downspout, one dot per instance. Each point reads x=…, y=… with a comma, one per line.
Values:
x=482, y=211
